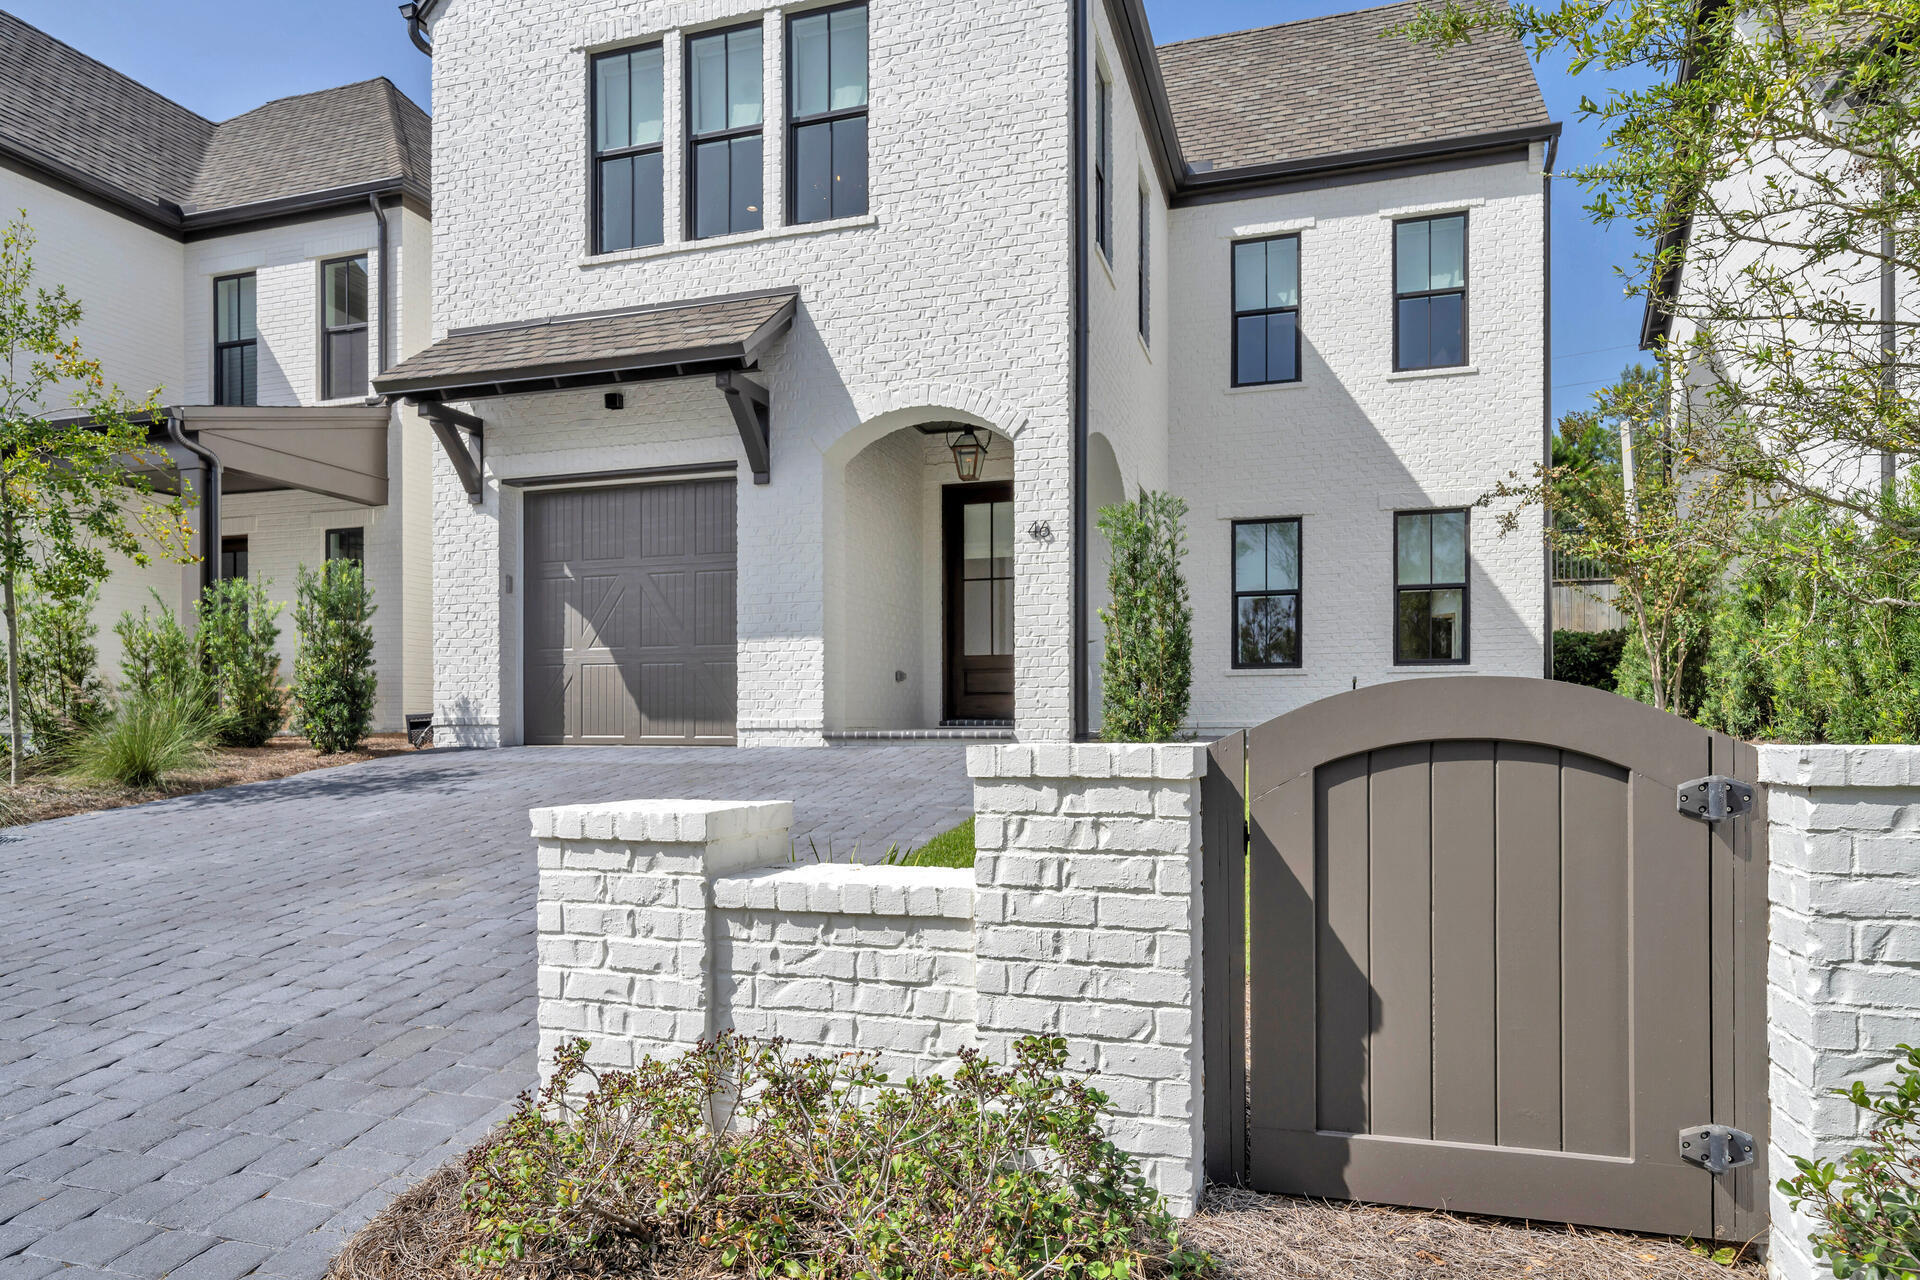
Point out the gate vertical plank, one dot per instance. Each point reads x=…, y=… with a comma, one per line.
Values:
x=1464, y=1100
x=1527, y=944
x=1597, y=1111
x=1341, y=957
x=1400, y=933
x=1740, y=1208
x=1282, y=1029
x=1223, y=816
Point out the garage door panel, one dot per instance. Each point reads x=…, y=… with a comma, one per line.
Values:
x=631, y=614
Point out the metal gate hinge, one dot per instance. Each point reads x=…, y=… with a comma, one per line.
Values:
x=1711, y=799
x=1716, y=1147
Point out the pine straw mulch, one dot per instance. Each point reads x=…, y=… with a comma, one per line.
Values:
x=1254, y=1237
x=44, y=797
x=1260, y=1237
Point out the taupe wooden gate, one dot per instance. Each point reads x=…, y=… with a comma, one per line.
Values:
x=1491, y=968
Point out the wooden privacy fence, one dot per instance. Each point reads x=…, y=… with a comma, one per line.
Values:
x=1472, y=944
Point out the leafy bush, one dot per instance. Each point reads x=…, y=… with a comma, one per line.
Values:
x=1868, y=1205
x=61, y=692
x=238, y=645
x=1146, y=673
x=333, y=678
x=157, y=654
x=1587, y=657
x=823, y=1168
x=151, y=737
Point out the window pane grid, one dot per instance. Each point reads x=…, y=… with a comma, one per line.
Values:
x=827, y=137
x=723, y=132
x=343, y=328
x=1430, y=292
x=236, y=359
x=1430, y=587
x=1266, y=311
x=628, y=135
x=1102, y=163
x=1266, y=593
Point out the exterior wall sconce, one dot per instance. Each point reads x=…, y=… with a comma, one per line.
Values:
x=969, y=452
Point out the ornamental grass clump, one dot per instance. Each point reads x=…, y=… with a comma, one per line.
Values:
x=740, y=1158
x=149, y=738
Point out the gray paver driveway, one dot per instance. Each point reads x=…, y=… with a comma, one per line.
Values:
x=232, y=1025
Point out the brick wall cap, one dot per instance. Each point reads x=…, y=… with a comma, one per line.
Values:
x=1837, y=765
x=662, y=821
x=845, y=889
x=1163, y=761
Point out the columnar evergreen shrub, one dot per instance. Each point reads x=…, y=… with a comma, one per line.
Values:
x=238, y=641
x=333, y=677
x=157, y=655
x=1588, y=657
x=1146, y=673
x=61, y=691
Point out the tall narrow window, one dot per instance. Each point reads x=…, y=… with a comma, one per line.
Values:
x=1266, y=593
x=1430, y=586
x=233, y=557
x=1103, y=162
x=827, y=140
x=347, y=544
x=1146, y=266
x=628, y=202
x=1266, y=311
x=343, y=325
x=723, y=132
x=1430, y=292
x=236, y=342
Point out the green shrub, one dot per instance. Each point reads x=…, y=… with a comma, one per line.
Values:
x=61, y=692
x=157, y=655
x=150, y=738
x=823, y=1168
x=238, y=643
x=1587, y=657
x=333, y=677
x=1146, y=672
x=1868, y=1204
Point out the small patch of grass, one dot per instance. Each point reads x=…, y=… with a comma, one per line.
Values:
x=948, y=849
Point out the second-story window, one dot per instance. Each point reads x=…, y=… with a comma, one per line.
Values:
x=1266, y=311
x=1103, y=162
x=827, y=149
x=236, y=342
x=1430, y=292
x=343, y=322
x=1146, y=266
x=723, y=132
x=628, y=209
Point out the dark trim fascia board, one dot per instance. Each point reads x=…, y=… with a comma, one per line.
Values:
x=1655, y=319
x=1135, y=36
x=626, y=473
x=1252, y=180
x=539, y=379
x=302, y=205
x=154, y=215
x=678, y=304
x=1354, y=177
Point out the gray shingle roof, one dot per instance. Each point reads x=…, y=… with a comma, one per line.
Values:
x=703, y=331
x=1329, y=86
x=58, y=105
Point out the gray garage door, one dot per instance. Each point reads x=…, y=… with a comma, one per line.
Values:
x=629, y=623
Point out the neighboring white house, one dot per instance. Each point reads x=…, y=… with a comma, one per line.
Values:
x=258, y=272
x=725, y=295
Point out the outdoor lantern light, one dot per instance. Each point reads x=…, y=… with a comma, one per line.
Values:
x=968, y=452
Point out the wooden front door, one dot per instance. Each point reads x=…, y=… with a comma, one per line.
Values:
x=979, y=555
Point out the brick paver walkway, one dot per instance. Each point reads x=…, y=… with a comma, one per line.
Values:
x=233, y=1024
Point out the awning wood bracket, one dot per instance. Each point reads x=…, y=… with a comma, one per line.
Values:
x=468, y=455
x=751, y=405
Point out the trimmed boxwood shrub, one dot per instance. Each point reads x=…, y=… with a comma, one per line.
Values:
x=1588, y=657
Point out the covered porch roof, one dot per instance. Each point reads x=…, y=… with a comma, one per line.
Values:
x=339, y=451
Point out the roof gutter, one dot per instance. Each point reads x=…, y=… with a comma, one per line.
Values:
x=1129, y=19
x=1216, y=184
x=416, y=15
x=1656, y=320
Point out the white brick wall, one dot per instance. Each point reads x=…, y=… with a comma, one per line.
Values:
x=1843, y=971
x=663, y=922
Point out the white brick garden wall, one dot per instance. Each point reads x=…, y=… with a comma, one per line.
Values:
x=1843, y=972
x=663, y=922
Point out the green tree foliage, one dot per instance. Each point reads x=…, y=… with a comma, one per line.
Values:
x=1867, y=1204
x=1146, y=672
x=61, y=692
x=1587, y=657
x=67, y=497
x=333, y=677
x=156, y=654
x=238, y=644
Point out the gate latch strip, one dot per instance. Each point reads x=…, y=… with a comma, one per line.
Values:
x=1716, y=1147
x=1714, y=798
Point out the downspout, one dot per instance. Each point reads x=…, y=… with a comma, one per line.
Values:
x=1077, y=372
x=1546, y=368
x=386, y=276
x=413, y=14
x=209, y=503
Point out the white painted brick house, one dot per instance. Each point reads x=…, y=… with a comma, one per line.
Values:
x=718, y=286
x=203, y=256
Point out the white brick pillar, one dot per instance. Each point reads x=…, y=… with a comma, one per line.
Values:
x=1087, y=926
x=625, y=922
x=1843, y=965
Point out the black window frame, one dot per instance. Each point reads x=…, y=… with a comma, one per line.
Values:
x=327, y=331
x=690, y=183
x=1235, y=594
x=1235, y=315
x=1466, y=283
x=1103, y=162
x=1145, y=266
x=236, y=344
x=233, y=555
x=598, y=159
x=797, y=122
x=358, y=555
x=1464, y=587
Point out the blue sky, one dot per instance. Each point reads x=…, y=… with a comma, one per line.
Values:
x=221, y=58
